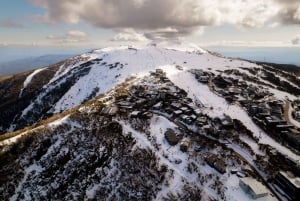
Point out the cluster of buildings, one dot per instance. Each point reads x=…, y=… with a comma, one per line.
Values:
x=232, y=89
x=268, y=113
x=270, y=116
x=236, y=89
x=216, y=162
x=157, y=94
x=296, y=109
x=201, y=75
x=265, y=110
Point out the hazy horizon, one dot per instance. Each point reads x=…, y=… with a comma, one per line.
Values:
x=282, y=55
x=8, y=54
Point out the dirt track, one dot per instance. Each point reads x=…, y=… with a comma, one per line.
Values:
x=286, y=112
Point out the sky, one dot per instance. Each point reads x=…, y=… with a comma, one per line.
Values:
x=98, y=23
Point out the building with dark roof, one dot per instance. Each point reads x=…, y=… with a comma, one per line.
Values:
x=290, y=184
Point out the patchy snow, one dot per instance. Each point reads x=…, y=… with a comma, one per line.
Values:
x=57, y=73
x=168, y=154
x=281, y=95
x=32, y=168
x=111, y=172
x=68, y=66
x=99, y=77
x=217, y=106
x=138, y=62
x=291, y=83
x=12, y=140
x=91, y=193
x=60, y=121
x=53, y=125
x=282, y=78
x=28, y=80
x=254, y=146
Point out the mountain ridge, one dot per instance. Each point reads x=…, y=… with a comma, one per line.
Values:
x=30, y=63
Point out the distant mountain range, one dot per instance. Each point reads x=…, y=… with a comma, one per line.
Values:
x=21, y=65
x=283, y=55
x=286, y=67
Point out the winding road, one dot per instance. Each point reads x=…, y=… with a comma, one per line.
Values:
x=288, y=115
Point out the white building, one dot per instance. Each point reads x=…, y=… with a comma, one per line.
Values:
x=253, y=187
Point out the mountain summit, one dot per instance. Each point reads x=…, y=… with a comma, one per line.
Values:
x=149, y=123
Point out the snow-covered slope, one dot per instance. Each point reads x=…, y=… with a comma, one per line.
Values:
x=83, y=77
x=136, y=62
x=121, y=63
x=112, y=111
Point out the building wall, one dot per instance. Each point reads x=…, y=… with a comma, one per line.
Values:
x=287, y=187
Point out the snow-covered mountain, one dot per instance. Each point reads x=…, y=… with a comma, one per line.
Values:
x=68, y=84
x=147, y=123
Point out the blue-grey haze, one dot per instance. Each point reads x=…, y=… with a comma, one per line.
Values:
x=11, y=58
x=20, y=59
x=284, y=55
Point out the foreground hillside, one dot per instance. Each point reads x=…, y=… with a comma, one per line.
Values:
x=149, y=124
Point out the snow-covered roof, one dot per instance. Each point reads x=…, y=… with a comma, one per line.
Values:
x=256, y=187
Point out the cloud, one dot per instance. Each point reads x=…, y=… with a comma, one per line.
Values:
x=3, y=44
x=129, y=35
x=289, y=12
x=173, y=34
x=76, y=34
x=296, y=40
x=10, y=24
x=172, y=19
x=246, y=43
x=73, y=36
x=124, y=14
